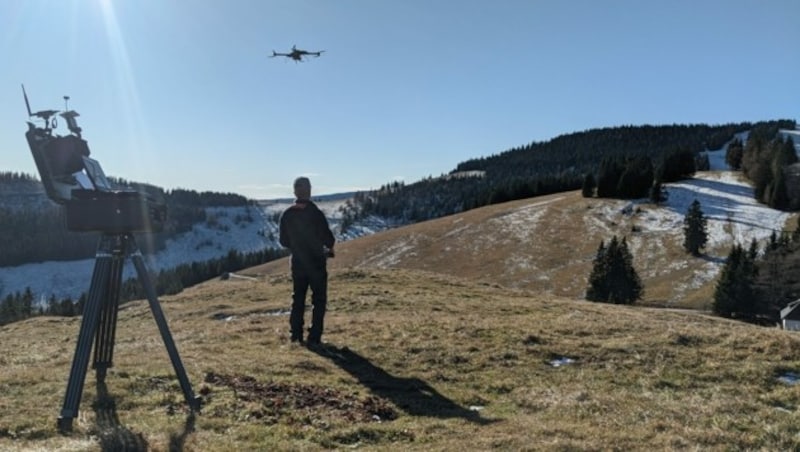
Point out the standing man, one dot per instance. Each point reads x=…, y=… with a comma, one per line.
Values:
x=305, y=231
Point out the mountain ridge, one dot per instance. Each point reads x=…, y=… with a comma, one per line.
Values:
x=548, y=243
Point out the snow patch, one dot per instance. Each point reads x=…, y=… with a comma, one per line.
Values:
x=244, y=229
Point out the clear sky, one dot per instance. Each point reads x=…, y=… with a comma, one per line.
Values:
x=183, y=94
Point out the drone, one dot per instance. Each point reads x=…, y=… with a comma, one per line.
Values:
x=297, y=54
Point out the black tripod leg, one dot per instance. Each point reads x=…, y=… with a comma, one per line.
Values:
x=80, y=362
x=158, y=314
x=107, y=323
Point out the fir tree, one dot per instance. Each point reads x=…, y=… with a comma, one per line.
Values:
x=597, y=290
x=733, y=154
x=589, y=184
x=613, y=278
x=735, y=293
x=694, y=230
x=702, y=163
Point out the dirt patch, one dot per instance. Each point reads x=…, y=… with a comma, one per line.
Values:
x=275, y=401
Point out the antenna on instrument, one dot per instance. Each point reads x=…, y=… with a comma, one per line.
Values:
x=44, y=114
x=27, y=104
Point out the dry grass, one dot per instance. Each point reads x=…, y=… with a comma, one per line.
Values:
x=544, y=244
x=415, y=361
x=441, y=336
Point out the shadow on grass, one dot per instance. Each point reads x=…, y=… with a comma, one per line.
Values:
x=177, y=441
x=411, y=395
x=114, y=436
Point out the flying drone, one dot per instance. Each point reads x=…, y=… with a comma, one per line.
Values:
x=297, y=54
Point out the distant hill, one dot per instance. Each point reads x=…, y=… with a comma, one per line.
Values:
x=208, y=232
x=554, y=166
x=547, y=244
x=40, y=254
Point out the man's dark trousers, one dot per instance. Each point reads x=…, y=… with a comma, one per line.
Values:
x=303, y=277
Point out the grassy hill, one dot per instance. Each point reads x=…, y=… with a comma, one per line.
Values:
x=546, y=244
x=414, y=361
x=463, y=333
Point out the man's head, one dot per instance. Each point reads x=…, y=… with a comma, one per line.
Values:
x=302, y=188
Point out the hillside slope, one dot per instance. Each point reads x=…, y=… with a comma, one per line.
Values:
x=414, y=361
x=243, y=229
x=547, y=243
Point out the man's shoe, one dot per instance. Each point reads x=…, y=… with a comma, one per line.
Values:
x=296, y=339
x=313, y=342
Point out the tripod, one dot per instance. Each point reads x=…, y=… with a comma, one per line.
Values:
x=99, y=322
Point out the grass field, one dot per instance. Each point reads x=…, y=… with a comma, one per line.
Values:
x=413, y=361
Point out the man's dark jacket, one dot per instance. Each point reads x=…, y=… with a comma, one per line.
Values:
x=304, y=230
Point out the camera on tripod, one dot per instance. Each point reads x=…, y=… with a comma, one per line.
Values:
x=75, y=180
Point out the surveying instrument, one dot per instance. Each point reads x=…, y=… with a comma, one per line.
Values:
x=76, y=181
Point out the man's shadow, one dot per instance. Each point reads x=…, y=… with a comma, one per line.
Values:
x=114, y=436
x=412, y=395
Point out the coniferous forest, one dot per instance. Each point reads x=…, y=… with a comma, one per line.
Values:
x=624, y=161
x=19, y=306
x=32, y=227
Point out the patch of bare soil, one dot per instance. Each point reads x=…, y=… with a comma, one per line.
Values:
x=274, y=402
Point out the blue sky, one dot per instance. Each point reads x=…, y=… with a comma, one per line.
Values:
x=183, y=94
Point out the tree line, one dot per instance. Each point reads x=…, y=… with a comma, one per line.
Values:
x=36, y=232
x=623, y=161
x=765, y=159
x=756, y=284
x=22, y=305
x=753, y=286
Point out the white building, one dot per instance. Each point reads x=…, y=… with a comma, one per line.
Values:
x=790, y=316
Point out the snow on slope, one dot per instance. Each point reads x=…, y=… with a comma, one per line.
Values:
x=205, y=241
x=331, y=207
x=208, y=240
x=726, y=201
x=733, y=216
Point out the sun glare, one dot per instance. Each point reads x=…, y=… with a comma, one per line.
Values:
x=134, y=133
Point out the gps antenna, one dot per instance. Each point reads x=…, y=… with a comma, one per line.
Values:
x=27, y=104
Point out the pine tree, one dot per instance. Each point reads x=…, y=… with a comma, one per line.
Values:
x=608, y=177
x=725, y=299
x=783, y=155
x=733, y=155
x=589, y=184
x=636, y=178
x=613, y=278
x=694, y=229
x=597, y=290
x=735, y=293
x=702, y=163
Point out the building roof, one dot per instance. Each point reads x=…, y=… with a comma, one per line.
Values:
x=791, y=312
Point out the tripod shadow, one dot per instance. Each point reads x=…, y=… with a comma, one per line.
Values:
x=177, y=441
x=114, y=436
x=412, y=395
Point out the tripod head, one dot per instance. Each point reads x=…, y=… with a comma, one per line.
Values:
x=71, y=178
